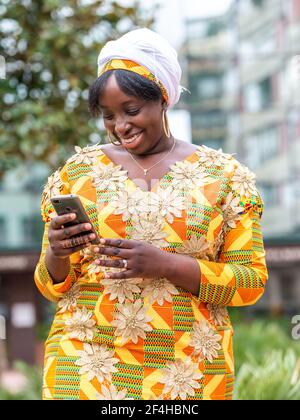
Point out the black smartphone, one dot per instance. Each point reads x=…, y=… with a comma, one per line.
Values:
x=64, y=204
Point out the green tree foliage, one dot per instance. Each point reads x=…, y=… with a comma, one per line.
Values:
x=50, y=48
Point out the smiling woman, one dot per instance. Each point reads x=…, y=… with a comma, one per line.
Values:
x=143, y=315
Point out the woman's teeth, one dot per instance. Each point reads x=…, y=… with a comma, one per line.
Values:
x=132, y=139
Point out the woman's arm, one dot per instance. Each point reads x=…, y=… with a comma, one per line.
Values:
x=58, y=268
x=52, y=277
x=240, y=275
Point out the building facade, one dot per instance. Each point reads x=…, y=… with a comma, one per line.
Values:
x=22, y=309
x=207, y=55
x=244, y=75
x=268, y=135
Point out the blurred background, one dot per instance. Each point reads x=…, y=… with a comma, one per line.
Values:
x=241, y=64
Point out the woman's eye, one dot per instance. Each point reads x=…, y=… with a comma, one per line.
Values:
x=133, y=112
x=108, y=117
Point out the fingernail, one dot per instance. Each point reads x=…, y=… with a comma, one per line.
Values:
x=72, y=216
x=88, y=226
x=92, y=236
x=102, y=241
x=96, y=250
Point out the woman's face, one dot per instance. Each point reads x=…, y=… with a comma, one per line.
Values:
x=133, y=121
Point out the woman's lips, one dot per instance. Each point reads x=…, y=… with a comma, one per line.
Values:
x=131, y=140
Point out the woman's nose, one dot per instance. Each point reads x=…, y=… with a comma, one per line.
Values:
x=121, y=126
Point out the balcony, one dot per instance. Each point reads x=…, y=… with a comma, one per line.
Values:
x=209, y=133
x=278, y=221
x=275, y=170
x=258, y=69
x=206, y=104
x=259, y=18
x=219, y=45
x=259, y=120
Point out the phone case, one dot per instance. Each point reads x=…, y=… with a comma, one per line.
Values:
x=64, y=204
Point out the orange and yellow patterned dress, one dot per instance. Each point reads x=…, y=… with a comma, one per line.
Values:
x=147, y=339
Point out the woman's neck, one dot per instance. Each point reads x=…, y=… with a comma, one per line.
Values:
x=164, y=144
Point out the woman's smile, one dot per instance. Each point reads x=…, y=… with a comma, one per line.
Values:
x=133, y=141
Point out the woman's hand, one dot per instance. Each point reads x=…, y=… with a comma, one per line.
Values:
x=139, y=259
x=61, y=240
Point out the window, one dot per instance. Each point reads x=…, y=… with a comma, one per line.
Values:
x=209, y=87
x=261, y=147
x=259, y=96
x=205, y=29
x=210, y=119
x=206, y=86
x=32, y=230
x=2, y=230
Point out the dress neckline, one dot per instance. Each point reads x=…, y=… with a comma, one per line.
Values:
x=159, y=181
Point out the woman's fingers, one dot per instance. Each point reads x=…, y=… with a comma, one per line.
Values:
x=68, y=252
x=66, y=240
x=77, y=241
x=58, y=221
x=68, y=232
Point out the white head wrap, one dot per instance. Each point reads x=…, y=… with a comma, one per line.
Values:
x=149, y=50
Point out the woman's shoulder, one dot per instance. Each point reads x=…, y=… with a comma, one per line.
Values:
x=238, y=180
x=61, y=181
x=213, y=158
x=227, y=162
x=85, y=155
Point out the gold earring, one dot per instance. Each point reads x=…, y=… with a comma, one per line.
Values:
x=111, y=141
x=166, y=124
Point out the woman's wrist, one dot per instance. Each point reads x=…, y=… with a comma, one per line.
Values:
x=181, y=270
x=58, y=267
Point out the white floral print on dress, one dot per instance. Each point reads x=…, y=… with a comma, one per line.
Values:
x=69, y=300
x=205, y=341
x=131, y=321
x=81, y=326
x=86, y=155
x=97, y=361
x=108, y=177
x=243, y=182
x=209, y=157
x=158, y=290
x=121, y=289
x=111, y=393
x=181, y=378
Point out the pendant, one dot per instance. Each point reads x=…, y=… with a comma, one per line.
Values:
x=145, y=171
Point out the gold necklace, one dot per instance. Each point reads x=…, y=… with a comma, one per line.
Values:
x=151, y=167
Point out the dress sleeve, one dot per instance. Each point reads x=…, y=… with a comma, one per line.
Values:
x=239, y=274
x=57, y=185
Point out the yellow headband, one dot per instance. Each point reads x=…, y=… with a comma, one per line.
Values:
x=119, y=64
